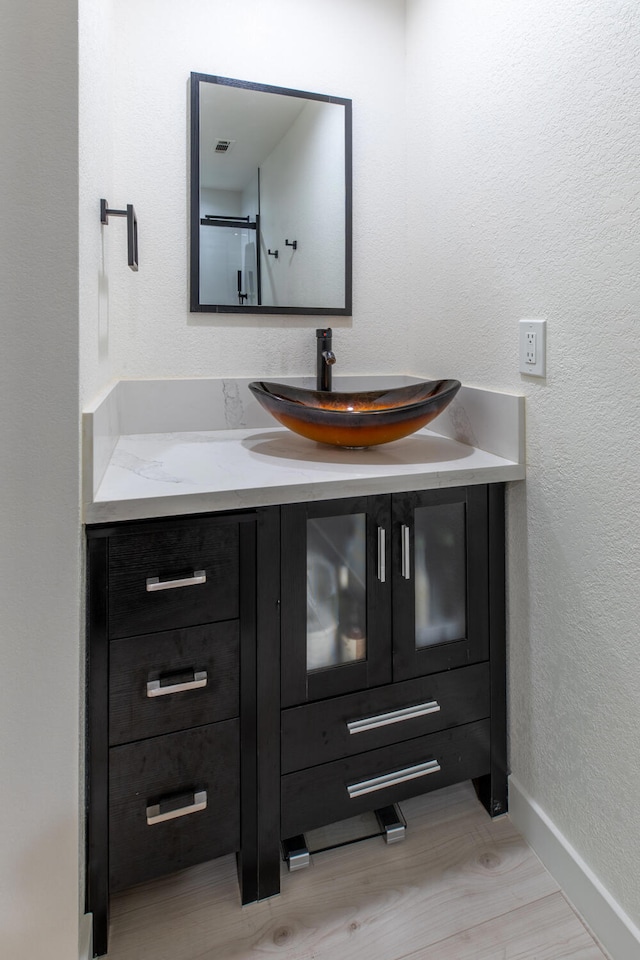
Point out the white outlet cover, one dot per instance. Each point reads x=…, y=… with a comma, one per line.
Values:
x=539, y=327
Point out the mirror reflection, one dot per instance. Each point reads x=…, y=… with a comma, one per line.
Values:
x=270, y=199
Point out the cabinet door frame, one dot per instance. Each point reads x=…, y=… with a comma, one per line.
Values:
x=299, y=686
x=408, y=660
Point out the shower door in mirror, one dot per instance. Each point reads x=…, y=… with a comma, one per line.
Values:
x=229, y=259
x=440, y=580
x=336, y=610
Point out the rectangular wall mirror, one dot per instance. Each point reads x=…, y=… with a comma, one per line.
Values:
x=270, y=199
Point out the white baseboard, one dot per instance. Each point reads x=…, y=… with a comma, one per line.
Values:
x=617, y=933
x=85, y=946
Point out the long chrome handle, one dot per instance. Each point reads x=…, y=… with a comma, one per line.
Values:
x=406, y=551
x=391, y=779
x=154, y=814
x=393, y=716
x=156, y=689
x=382, y=566
x=155, y=583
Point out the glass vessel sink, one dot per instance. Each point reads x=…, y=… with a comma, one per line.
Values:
x=358, y=419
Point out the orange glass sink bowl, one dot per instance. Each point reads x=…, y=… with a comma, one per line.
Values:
x=355, y=419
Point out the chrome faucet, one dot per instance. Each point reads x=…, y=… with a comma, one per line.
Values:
x=325, y=359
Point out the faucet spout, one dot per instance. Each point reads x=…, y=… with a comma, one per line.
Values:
x=325, y=358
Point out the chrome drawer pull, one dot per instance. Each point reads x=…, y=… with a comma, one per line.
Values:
x=406, y=552
x=199, y=803
x=155, y=689
x=391, y=779
x=382, y=572
x=394, y=716
x=155, y=583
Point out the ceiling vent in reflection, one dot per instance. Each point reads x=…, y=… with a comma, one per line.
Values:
x=223, y=146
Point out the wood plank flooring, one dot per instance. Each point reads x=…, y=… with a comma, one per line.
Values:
x=459, y=887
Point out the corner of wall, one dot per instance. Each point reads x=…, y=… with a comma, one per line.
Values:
x=601, y=912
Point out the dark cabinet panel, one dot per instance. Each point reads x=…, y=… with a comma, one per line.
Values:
x=336, y=615
x=163, y=682
x=172, y=612
x=255, y=676
x=178, y=577
x=195, y=770
x=345, y=788
x=440, y=658
x=343, y=726
x=440, y=580
x=422, y=605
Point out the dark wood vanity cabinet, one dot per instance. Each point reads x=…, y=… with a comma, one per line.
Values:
x=171, y=661
x=392, y=651
x=252, y=676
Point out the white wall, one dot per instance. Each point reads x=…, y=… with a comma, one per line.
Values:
x=96, y=143
x=39, y=483
x=327, y=46
x=523, y=145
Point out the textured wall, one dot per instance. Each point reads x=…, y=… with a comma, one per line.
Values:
x=524, y=134
x=95, y=149
x=39, y=483
x=327, y=46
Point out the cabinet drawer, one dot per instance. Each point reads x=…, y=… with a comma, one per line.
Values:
x=196, y=574
x=164, y=682
x=335, y=791
x=344, y=726
x=173, y=774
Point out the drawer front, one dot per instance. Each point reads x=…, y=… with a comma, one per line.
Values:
x=152, y=779
x=164, y=682
x=335, y=791
x=345, y=726
x=196, y=574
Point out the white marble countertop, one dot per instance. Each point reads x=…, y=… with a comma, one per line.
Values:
x=158, y=474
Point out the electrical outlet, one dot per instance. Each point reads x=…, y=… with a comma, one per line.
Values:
x=530, y=348
x=533, y=348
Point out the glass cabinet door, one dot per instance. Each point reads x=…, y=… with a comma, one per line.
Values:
x=440, y=573
x=336, y=590
x=440, y=580
x=335, y=597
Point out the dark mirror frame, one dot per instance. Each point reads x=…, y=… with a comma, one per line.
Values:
x=196, y=306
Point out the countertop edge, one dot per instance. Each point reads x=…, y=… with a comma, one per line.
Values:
x=247, y=499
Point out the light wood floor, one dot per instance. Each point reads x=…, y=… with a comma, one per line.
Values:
x=459, y=887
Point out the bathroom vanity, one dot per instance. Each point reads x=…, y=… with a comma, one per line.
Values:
x=268, y=656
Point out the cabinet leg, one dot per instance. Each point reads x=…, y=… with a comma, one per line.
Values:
x=392, y=823
x=268, y=703
x=296, y=852
x=100, y=932
x=492, y=788
x=492, y=793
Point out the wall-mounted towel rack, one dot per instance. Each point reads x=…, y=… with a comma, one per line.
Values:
x=132, y=229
